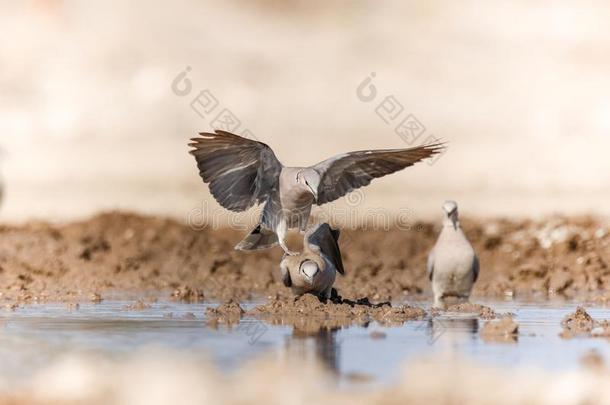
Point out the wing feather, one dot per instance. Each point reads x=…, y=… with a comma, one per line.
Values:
x=326, y=240
x=240, y=172
x=344, y=173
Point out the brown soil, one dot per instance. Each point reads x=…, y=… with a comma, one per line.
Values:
x=228, y=313
x=482, y=311
x=131, y=255
x=308, y=312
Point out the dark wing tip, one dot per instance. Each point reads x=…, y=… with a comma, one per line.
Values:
x=336, y=233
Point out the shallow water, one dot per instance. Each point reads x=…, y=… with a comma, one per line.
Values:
x=35, y=335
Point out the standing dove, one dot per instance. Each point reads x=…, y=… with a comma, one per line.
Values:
x=314, y=270
x=242, y=173
x=453, y=266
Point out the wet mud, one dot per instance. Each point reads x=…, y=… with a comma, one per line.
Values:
x=309, y=313
x=126, y=254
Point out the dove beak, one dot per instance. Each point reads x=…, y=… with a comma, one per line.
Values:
x=454, y=219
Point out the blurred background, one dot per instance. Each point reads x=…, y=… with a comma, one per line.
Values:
x=98, y=99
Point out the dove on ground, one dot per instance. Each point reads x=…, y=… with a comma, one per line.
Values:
x=242, y=173
x=314, y=270
x=453, y=265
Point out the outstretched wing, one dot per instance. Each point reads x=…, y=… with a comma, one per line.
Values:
x=241, y=172
x=326, y=240
x=344, y=173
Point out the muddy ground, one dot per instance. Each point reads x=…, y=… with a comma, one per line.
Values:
x=122, y=254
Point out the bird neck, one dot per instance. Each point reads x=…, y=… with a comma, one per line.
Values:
x=452, y=223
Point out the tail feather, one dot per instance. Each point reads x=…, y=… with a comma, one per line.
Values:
x=258, y=239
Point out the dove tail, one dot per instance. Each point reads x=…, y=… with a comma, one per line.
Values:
x=259, y=238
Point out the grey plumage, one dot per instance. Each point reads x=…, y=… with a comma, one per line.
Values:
x=314, y=270
x=453, y=265
x=242, y=173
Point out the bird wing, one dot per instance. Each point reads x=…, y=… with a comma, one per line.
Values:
x=241, y=172
x=430, y=264
x=343, y=173
x=326, y=241
x=475, y=268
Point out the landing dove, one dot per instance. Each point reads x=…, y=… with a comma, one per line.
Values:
x=242, y=173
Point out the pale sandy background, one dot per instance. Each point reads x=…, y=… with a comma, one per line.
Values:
x=520, y=89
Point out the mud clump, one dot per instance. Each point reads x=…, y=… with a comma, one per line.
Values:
x=578, y=323
x=308, y=312
x=581, y=324
x=505, y=330
x=482, y=311
x=228, y=313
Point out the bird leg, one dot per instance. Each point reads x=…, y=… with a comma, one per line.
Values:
x=328, y=293
x=439, y=302
x=286, y=250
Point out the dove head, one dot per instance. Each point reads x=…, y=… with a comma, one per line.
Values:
x=309, y=270
x=309, y=179
x=450, y=210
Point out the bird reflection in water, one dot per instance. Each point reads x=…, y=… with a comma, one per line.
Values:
x=451, y=330
x=315, y=344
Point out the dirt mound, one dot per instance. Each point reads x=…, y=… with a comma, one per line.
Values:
x=482, y=311
x=120, y=253
x=308, y=312
x=228, y=313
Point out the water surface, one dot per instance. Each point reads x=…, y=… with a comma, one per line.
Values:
x=33, y=336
